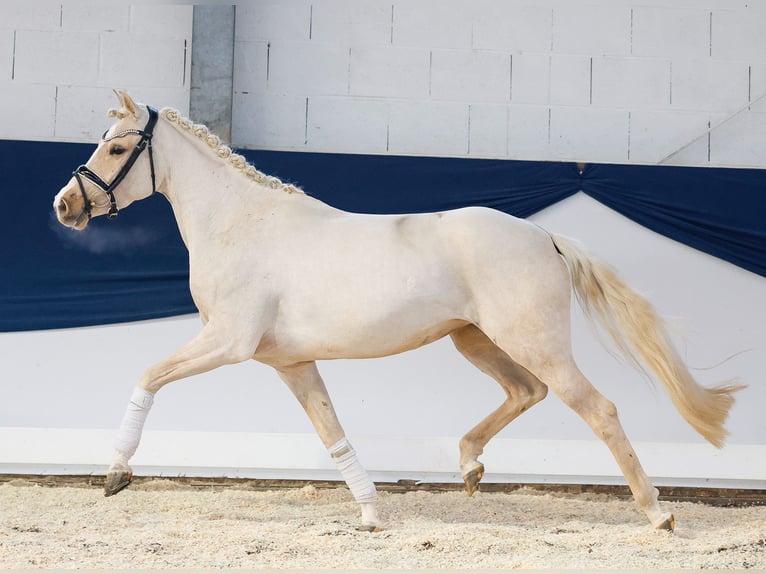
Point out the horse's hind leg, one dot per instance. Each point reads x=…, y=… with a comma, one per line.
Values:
x=566, y=380
x=521, y=387
x=307, y=385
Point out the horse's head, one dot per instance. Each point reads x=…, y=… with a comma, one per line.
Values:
x=118, y=161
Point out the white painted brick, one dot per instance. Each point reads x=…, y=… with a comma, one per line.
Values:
x=23, y=14
x=570, y=80
x=352, y=22
x=273, y=20
x=161, y=96
x=668, y=33
x=69, y=57
x=713, y=85
x=469, y=76
x=167, y=20
x=355, y=125
x=97, y=17
x=81, y=112
x=593, y=30
x=433, y=24
x=428, y=128
x=488, y=133
x=389, y=72
x=269, y=121
x=308, y=68
x=656, y=134
x=740, y=141
x=6, y=55
x=631, y=82
x=143, y=60
x=27, y=111
x=758, y=87
x=528, y=132
x=250, y=65
x=589, y=134
x=530, y=81
x=511, y=27
x=739, y=34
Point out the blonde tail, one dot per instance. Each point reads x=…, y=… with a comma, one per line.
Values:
x=636, y=329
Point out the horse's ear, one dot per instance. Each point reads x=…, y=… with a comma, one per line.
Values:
x=127, y=102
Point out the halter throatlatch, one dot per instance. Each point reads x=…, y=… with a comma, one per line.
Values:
x=108, y=188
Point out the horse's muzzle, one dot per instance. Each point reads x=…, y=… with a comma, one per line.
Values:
x=70, y=209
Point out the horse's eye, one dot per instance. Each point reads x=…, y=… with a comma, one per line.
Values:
x=116, y=150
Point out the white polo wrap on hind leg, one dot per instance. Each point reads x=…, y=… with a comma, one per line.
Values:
x=132, y=424
x=357, y=479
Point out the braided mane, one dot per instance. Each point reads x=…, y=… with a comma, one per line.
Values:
x=225, y=152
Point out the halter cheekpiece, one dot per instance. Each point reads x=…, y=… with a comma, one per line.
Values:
x=108, y=188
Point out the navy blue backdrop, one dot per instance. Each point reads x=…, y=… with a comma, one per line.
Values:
x=136, y=267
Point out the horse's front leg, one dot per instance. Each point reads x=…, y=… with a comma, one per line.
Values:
x=307, y=385
x=210, y=349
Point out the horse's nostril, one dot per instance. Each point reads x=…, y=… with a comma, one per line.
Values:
x=61, y=206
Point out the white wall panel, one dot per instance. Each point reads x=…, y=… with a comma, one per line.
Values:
x=578, y=133
x=488, y=125
x=631, y=82
x=470, y=76
x=531, y=77
x=362, y=122
x=740, y=140
x=7, y=40
x=103, y=17
x=591, y=29
x=251, y=59
x=167, y=20
x=269, y=120
x=570, y=83
x=141, y=60
x=352, y=22
x=308, y=68
x=27, y=112
x=513, y=27
x=273, y=20
x=656, y=134
x=69, y=57
x=388, y=72
x=433, y=24
x=710, y=84
x=22, y=14
x=738, y=34
x=529, y=131
x=670, y=33
x=428, y=128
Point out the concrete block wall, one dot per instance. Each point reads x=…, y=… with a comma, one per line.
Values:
x=60, y=61
x=602, y=81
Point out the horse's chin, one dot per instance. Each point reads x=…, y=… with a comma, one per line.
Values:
x=78, y=224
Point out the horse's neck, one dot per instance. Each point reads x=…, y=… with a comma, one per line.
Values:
x=207, y=195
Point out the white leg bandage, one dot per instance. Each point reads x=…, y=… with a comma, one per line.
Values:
x=129, y=434
x=359, y=483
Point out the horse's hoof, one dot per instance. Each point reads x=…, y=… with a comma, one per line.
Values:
x=472, y=479
x=668, y=524
x=116, y=480
x=370, y=528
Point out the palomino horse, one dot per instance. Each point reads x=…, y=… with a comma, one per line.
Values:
x=286, y=280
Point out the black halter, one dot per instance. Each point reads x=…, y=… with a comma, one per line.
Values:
x=108, y=188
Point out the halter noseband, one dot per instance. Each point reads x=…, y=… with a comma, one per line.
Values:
x=108, y=188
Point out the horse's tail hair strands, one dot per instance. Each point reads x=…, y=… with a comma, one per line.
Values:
x=637, y=329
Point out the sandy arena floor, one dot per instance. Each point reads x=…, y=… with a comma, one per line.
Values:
x=162, y=524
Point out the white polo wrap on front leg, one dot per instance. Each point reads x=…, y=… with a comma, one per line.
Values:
x=357, y=479
x=133, y=422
